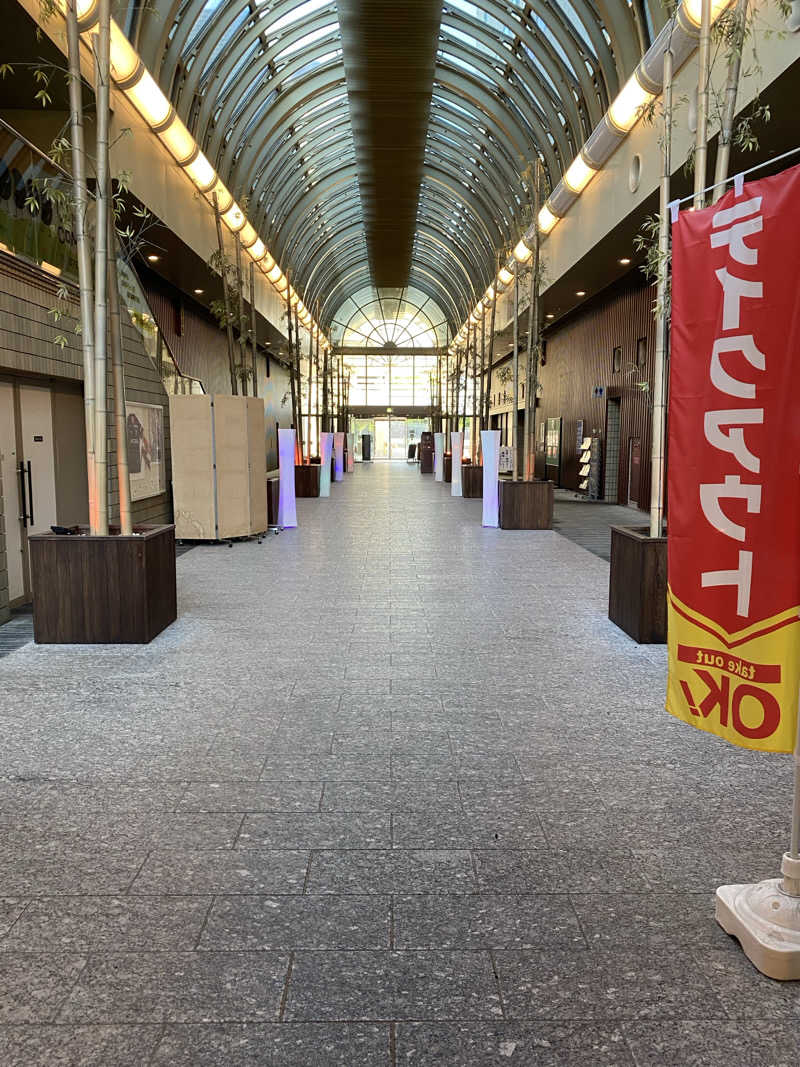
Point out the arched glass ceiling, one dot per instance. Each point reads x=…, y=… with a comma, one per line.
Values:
x=261, y=85
x=389, y=318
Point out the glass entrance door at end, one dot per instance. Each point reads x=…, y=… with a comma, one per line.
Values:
x=391, y=440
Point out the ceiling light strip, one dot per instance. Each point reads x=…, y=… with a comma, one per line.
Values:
x=137, y=83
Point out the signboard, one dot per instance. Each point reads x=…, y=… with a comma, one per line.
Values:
x=552, y=455
x=734, y=450
x=144, y=428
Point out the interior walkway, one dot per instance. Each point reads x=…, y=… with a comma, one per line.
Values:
x=392, y=791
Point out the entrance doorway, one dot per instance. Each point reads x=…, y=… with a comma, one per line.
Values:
x=43, y=464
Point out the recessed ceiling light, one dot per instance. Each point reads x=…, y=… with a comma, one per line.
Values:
x=550, y=315
x=625, y=261
x=581, y=292
x=154, y=258
x=199, y=291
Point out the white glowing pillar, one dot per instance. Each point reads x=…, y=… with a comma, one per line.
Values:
x=490, y=446
x=338, y=452
x=325, y=452
x=287, y=507
x=438, y=457
x=456, y=448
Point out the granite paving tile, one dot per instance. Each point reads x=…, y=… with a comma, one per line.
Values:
x=77, y=1046
x=744, y=991
x=654, y=919
x=391, y=796
x=270, y=1045
x=768, y=1042
x=329, y=830
x=33, y=985
x=10, y=911
x=297, y=922
x=499, y=1044
x=236, y=872
x=541, y=870
x=124, y=831
x=467, y=830
x=251, y=796
x=88, y=924
x=398, y=871
x=486, y=921
x=392, y=985
x=629, y=984
x=27, y=873
x=178, y=987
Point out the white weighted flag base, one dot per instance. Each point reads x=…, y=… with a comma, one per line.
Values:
x=765, y=919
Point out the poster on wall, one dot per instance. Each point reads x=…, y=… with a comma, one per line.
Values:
x=144, y=426
x=734, y=442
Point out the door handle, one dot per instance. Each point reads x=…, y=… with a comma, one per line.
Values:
x=21, y=473
x=30, y=493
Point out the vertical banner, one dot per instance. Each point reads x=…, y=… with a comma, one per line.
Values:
x=350, y=451
x=338, y=452
x=490, y=446
x=438, y=457
x=734, y=466
x=456, y=448
x=325, y=452
x=287, y=507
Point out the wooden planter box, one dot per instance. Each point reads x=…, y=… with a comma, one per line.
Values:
x=526, y=505
x=103, y=590
x=637, y=592
x=448, y=467
x=472, y=481
x=306, y=479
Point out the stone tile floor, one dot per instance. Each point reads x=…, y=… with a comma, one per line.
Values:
x=391, y=791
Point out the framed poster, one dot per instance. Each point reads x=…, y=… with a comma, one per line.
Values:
x=144, y=432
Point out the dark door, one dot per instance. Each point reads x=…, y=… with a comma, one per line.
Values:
x=634, y=469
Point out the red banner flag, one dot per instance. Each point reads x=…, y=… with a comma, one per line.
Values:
x=734, y=466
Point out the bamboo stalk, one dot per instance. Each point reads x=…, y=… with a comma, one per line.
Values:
x=296, y=370
x=491, y=353
x=701, y=136
x=534, y=328
x=253, y=326
x=662, y=320
x=226, y=299
x=325, y=426
x=515, y=367
x=240, y=296
x=101, y=43
x=483, y=382
x=80, y=210
x=318, y=420
x=292, y=384
x=474, y=435
x=729, y=109
x=310, y=385
x=123, y=476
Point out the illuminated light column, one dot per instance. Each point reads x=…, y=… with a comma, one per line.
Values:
x=490, y=446
x=325, y=452
x=351, y=451
x=456, y=448
x=338, y=454
x=438, y=457
x=287, y=507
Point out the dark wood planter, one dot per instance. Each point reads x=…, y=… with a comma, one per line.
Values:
x=273, y=497
x=448, y=467
x=306, y=479
x=472, y=481
x=526, y=505
x=637, y=592
x=103, y=590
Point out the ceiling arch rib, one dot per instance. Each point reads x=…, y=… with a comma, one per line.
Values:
x=270, y=90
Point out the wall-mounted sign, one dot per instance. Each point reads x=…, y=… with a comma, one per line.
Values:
x=145, y=441
x=598, y=392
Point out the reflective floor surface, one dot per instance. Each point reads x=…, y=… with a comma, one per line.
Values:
x=391, y=791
